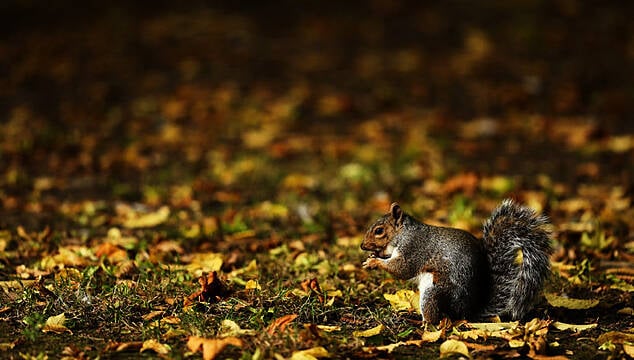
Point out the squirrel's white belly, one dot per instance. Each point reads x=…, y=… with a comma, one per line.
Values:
x=425, y=283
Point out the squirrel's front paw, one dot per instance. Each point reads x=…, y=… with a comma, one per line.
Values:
x=371, y=263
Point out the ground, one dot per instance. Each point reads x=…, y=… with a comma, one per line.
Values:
x=195, y=180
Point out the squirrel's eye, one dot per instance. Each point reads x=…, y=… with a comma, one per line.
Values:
x=378, y=231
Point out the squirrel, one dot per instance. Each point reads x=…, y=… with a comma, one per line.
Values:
x=459, y=276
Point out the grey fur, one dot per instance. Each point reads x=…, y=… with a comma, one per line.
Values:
x=510, y=228
x=471, y=278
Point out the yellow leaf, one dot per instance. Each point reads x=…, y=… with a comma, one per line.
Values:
x=152, y=219
x=516, y=343
x=403, y=300
x=310, y=354
x=431, y=336
x=200, y=263
x=452, y=347
x=151, y=315
x=252, y=284
x=569, y=303
x=390, y=347
x=157, y=347
x=55, y=324
x=211, y=347
x=576, y=328
x=629, y=349
x=369, y=332
x=329, y=328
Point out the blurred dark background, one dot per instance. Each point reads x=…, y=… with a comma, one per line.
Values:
x=97, y=93
x=555, y=57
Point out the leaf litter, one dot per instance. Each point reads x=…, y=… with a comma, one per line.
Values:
x=191, y=206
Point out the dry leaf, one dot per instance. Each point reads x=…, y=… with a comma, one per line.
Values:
x=113, y=253
x=152, y=315
x=615, y=337
x=123, y=346
x=404, y=300
x=55, y=324
x=569, y=303
x=200, y=263
x=369, y=332
x=252, y=285
x=432, y=336
x=329, y=328
x=310, y=354
x=157, y=347
x=280, y=323
x=311, y=286
x=576, y=328
x=211, y=347
x=231, y=328
x=390, y=347
x=137, y=220
x=211, y=289
x=452, y=347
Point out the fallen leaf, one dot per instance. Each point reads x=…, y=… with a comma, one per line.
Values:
x=55, y=324
x=311, y=286
x=152, y=315
x=113, y=253
x=157, y=347
x=390, y=347
x=231, y=328
x=310, y=354
x=123, y=346
x=615, y=337
x=369, y=332
x=138, y=220
x=211, y=289
x=629, y=349
x=252, y=285
x=404, y=300
x=280, y=323
x=329, y=328
x=576, y=328
x=453, y=347
x=211, y=347
x=200, y=263
x=570, y=303
x=432, y=336
x=7, y=346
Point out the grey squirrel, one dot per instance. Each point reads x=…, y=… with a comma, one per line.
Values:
x=459, y=276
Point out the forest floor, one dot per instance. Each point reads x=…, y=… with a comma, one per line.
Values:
x=195, y=181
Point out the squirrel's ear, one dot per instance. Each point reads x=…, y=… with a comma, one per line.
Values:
x=396, y=212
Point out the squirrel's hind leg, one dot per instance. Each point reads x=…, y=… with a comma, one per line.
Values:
x=428, y=297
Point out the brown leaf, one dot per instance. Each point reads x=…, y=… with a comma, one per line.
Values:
x=312, y=286
x=123, y=346
x=113, y=253
x=211, y=347
x=280, y=323
x=211, y=289
x=55, y=324
x=155, y=346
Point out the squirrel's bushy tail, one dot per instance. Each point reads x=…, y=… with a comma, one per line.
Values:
x=518, y=248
